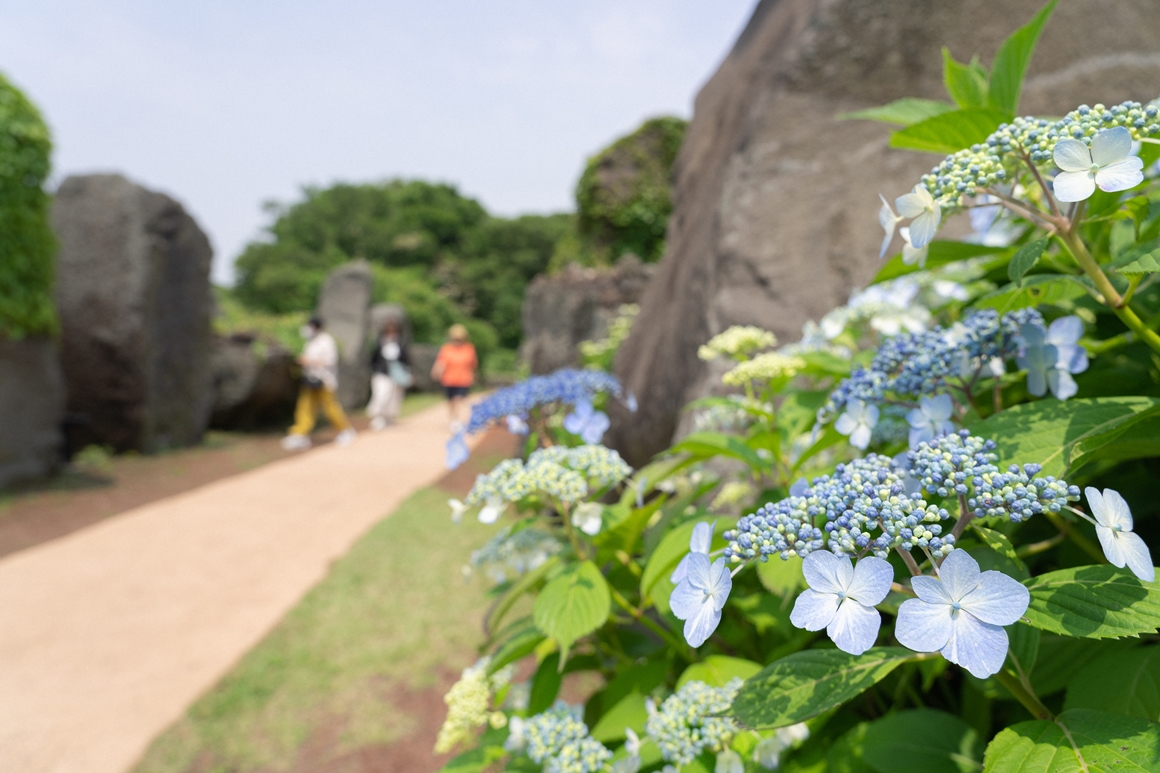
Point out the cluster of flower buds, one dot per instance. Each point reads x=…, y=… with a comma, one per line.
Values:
x=560, y=472
x=685, y=724
x=738, y=343
x=558, y=739
x=468, y=702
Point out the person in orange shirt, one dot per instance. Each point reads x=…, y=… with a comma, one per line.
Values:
x=455, y=368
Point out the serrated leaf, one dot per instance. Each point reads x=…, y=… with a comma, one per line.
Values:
x=1058, y=434
x=950, y=132
x=805, y=684
x=966, y=83
x=1035, y=290
x=1010, y=64
x=717, y=670
x=1024, y=260
x=1093, y=602
x=1120, y=683
x=939, y=253
x=519, y=588
x=1145, y=264
x=1077, y=740
x=520, y=642
x=921, y=741
x=903, y=112
x=997, y=541
x=629, y=712
x=573, y=604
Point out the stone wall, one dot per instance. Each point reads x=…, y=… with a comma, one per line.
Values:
x=32, y=402
x=775, y=200
x=576, y=305
x=134, y=300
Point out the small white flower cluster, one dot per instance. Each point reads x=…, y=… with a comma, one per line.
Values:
x=763, y=367
x=558, y=739
x=468, y=703
x=683, y=726
x=738, y=342
x=515, y=553
x=560, y=472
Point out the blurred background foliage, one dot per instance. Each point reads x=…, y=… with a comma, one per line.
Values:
x=26, y=262
x=442, y=256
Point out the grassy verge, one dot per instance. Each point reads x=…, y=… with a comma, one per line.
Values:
x=396, y=612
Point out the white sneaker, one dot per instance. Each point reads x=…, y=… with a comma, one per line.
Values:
x=295, y=443
x=345, y=438
x=378, y=423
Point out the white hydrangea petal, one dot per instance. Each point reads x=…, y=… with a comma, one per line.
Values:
x=1112, y=549
x=1116, y=510
x=681, y=572
x=1121, y=175
x=998, y=599
x=978, y=647
x=924, y=227
x=860, y=437
x=700, y=626
x=686, y=601
x=1074, y=186
x=910, y=205
x=1065, y=330
x=923, y=627
x=813, y=611
x=1111, y=145
x=959, y=574
x=854, y=627
x=1072, y=156
x=1137, y=555
x=821, y=570
x=888, y=220
x=931, y=590
x=871, y=581
x=1096, y=505
x=846, y=423
x=702, y=537
x=720, y=583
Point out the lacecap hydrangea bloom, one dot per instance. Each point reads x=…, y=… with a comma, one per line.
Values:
x=468, y=703
x=587, y=422
x=738, y=342
x=1051, y=355
x=1113, y=520
x=569, y=386
x=560, y=472
x=514, y=553
x=763, y=367
x=684, y=725
x=558, y=739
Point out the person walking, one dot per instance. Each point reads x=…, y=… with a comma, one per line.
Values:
x=454, y=369
x=319, y=363
x=390, y=376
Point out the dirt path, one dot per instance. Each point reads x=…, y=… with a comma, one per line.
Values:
x=108, y=633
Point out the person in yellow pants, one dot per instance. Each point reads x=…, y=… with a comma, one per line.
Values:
x=319, y=362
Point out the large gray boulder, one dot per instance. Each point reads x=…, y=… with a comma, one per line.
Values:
x=576, y=305
x=32, y=400
x=345, y=308
x=775, y=200
x=255, y=383
x=134, y=300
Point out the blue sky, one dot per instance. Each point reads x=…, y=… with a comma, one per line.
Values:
x=225, y=105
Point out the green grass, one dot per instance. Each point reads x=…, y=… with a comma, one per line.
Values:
x=395, y=611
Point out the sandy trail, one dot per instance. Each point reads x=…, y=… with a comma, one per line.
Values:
x=108, y=634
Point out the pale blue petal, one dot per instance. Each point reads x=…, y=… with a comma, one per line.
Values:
x=1036, y=382
x=1033, y=334
x=1096, y=505
x=924, y=227
x=1072, y=156
x=1112, y=548
x=860, y=437
x=978, y=647
x=686, y=601
x=595, y=428
x=1111, y=145
x=826, y=572
x=871, y=581
x=701, y=625
x=938, y=408
x=1138, y=556
x=702, y=537
x=910, y=205
x=923, y=627
x=959, y=574
x=1121, y=175
x=800, y=488
x=681, y=572
x=930, y=590
x=1116, y=510
x=846, y=423
x=1074, y=186
x=1061, y=384
x=720, y=583
x=574, y=423
x=1065, y=330
x=998, y=599
x=813, y=611
x=854, y=627
x=919, y=435
x=699, y=571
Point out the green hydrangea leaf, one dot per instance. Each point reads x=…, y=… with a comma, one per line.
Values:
x=574, y=604
x=921, y=741
x=1145, y=264
x=1025, y=259
x=629, y=712
x=1121, y=683
x=718, y=670
x=1093, y=602
x=902, y=112
x=966, y=83
x=939, y=253
x=1011, y=60
x=1077, y=740
x=805, y=684
x=951, y=132
x=1035, y=290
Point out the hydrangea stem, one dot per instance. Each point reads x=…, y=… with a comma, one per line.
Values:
x=666, y=636
x=908, y=559
x=1022, y=694
x=1081, y=541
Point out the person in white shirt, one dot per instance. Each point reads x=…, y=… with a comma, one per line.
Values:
x=390, y=376
x=319, y=363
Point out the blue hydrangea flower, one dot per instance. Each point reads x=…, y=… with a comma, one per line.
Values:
x=700, y=596
x=841, y=599
x=1050, y=355
x=568, y=386
x=858, y=421
x=930, y=419
x=1107, y=164
x=699, y=542
x=517, y=425
x=1114, y=528
x=961, y=614
x=457, y=451
x=587, y=422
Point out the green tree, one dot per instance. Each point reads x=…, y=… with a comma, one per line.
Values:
x=623, y=198
x=26, y=238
